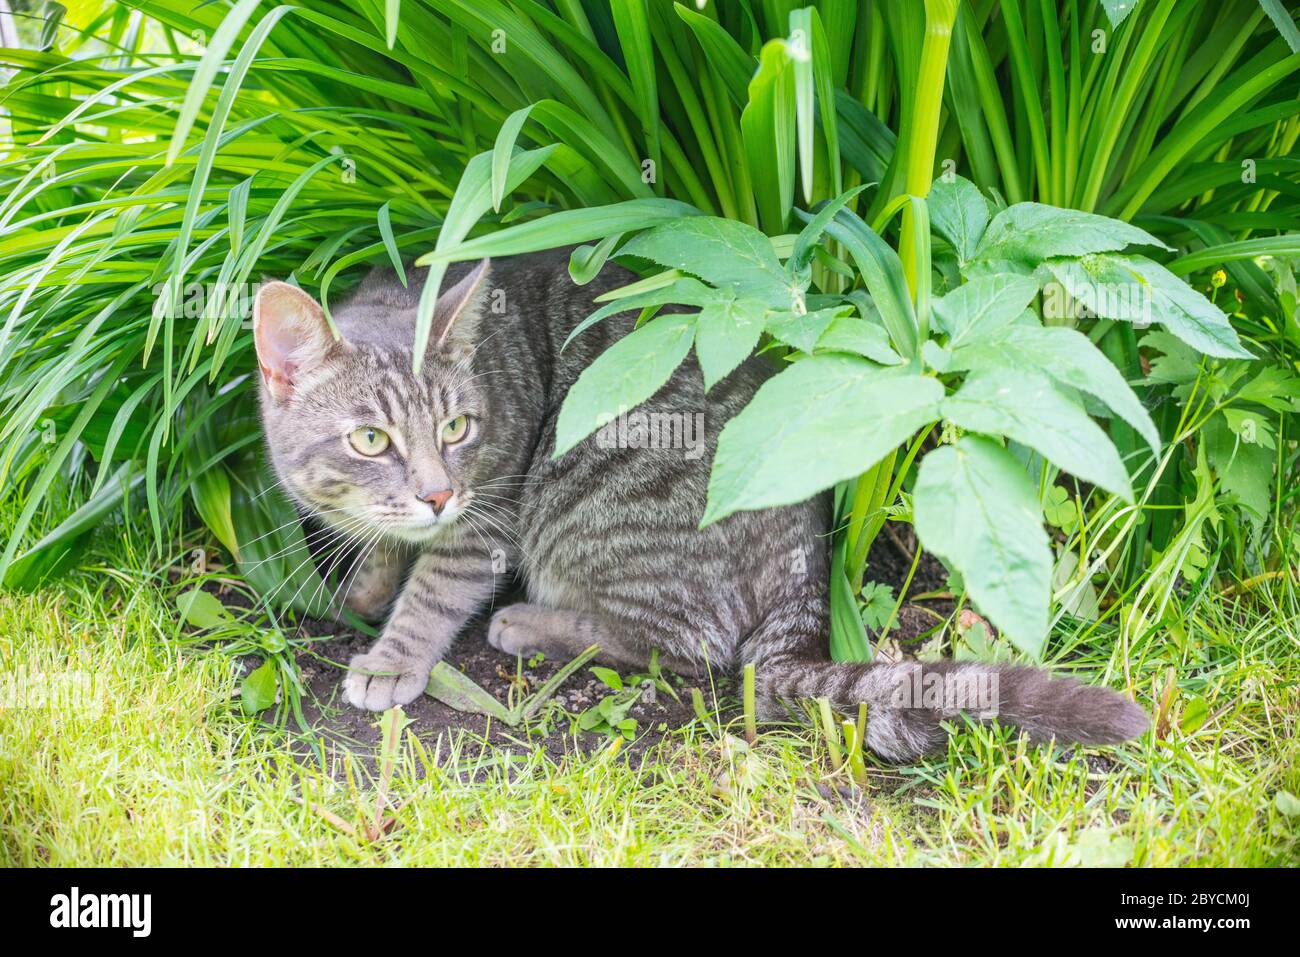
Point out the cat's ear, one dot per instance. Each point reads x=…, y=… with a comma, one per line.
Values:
x=458, y=309
x=291, y=334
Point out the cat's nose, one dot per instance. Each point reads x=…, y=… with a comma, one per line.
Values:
x=436, y=497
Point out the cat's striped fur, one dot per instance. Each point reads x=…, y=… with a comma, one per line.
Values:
x=606, y=538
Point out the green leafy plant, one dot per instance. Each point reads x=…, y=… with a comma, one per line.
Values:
x=161, y=157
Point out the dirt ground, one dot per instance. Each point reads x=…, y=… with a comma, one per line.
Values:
x=657, y=713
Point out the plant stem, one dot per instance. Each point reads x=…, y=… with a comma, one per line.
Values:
x=939, y=18
x=751, y=721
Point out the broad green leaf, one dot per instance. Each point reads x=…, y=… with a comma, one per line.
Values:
x=1066, y=355
x=857, y=335
x=803, y=330
x=257, y=690
x=725, y=335
x=834, y=415
x=1031, y=232
x=728, y=254
x=959, y=213
x=1245, y=469
x=622, y=377
x=975, y=508
x=983, y=307
x=1025, y=406
x=684, y=292
x=202, y=609
x=210, y=492
x=1134, y=289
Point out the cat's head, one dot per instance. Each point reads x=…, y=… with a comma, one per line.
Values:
x=357, y=437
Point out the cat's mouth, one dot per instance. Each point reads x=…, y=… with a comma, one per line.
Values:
x=423, y=528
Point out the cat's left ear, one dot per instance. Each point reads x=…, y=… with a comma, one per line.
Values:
x=458, y=310
x=291, y=334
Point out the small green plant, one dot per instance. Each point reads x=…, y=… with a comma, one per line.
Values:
x=609, y=715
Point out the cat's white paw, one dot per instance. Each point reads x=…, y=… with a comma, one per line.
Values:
x=376, y=683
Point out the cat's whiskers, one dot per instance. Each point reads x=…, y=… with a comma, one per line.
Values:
x=297, y=519
x=340, y=602
x=344, y=533
x=317, y=537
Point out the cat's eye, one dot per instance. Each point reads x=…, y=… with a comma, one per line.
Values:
x=455, y=429
x=369, y=440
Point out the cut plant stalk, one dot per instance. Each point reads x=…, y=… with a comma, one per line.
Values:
x=751, y=719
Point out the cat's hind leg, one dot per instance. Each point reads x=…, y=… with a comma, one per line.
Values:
x=371, y=586
x=526, y=629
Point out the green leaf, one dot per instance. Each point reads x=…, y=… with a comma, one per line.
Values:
x=1025, y=406
x=767, y=127
x=723, y=53
x=959, y=213
x=257, y=690
x=633, y=29
x=622, y=377
x=503, y=150
x=835, y=415
x=390, y=242
x=608, y=677
x=728, y=254
x=1287, y=804
x=1281, y=18
x=1118, y=10
x=725, y=335
x=882, y=271
x=859, y=336
x=586, y=262
x=1245, y=469
x=686, y=292
x=983, y=307
x=1065, y=355
x=803, y=330
x=1134, y=289
x=877, y=604
x=457, y=690
x=848, y=632
x=202, y=609
x=1031, y=232
x=975, y=508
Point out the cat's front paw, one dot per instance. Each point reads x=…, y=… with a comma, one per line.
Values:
x=376, y=682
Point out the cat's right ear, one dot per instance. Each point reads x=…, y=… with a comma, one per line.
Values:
x=291, y=334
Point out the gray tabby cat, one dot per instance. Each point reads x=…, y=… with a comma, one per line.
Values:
x=447, y=477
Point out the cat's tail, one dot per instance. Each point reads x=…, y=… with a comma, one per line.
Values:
x=907, y=700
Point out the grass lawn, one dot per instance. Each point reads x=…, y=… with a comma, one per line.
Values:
x=155, y=763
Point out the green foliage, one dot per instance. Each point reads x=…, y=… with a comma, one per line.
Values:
x=149, y=173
